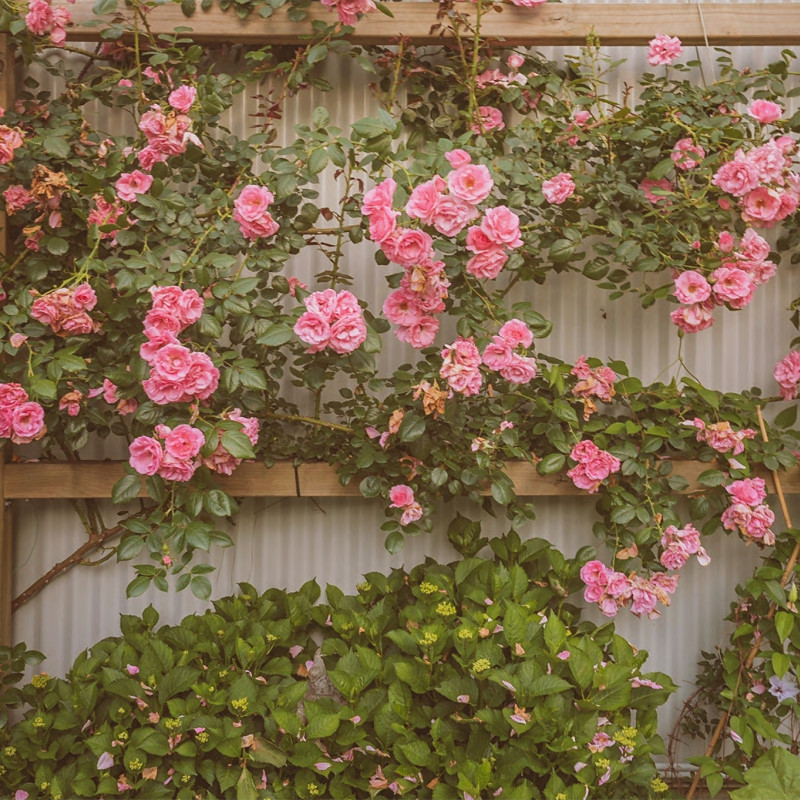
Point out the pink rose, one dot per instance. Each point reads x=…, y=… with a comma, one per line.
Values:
x=84, y=297
x=129, y=184
x=691, y=287
x=737, y=177
x=488, y=119
x=348, y=333
x=520, y=370
x=453, y=215
x=401, y=308
x=17, y=198
x=528, y=3
x=419, y=335
x=761, y=204
x=184, y=441
x=786, y=373
x=172, y=362
x=558, y=188
x=202, y=378
x=501, y=226
x=488, y=264
x=27, y=422
x=516, y=332
x=471, y=183
x=182, y=98
x=409, y=248
x=382, y=224
x=424, y=199
x=663, y=50
x=594, y=572
x=458, y=158
x=515, y=61
x=249, y=424
x=411, y=514
x=694, y=318
x=750, y=491
x=498, y=354
x=176, y=469
x=146, y=454
x=684, y=150
x=380, y=198
x=732, y=285
x=156, y=339
x=401, y=496
x=765, y=111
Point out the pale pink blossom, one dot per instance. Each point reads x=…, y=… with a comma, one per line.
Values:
x=488, y=118
x=593, y=467
x=129, y=184
x=501, y=226
x=471, y=183
x=182, y=98
x=663, y=185
x=379, y=198
x=146, y=455
x=487, y=264
x=693, y=318
x=452, y=215
x=787, y=374
x=184, y=441
x=731, y=285
x=558, y=188
x=17, y=198
x=737, y=177
x=425, y=197
x=686, y=154
x=515, y=332
x=692, y=287
x=663, y=50
x=458, y=158
x=765, y=111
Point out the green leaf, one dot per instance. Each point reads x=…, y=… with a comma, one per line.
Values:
x=551, y=464
x=265, y=753
x=102, y=7
x=784, y=622
x=411, y=428
x=56, y=146
x=317, y=53
x=546, y=685
x=414, y=674
x=711, y=477
x=126, y=489
x=714, y=783
x=322, y=725
x=139, y=585
x=416, y=751
x=662, y=169
x=201, y=587
x=787, y=417
x=217, y=503
x=774, y=776
x=317, y=161
x=237, y=444
x=246, y=787
x=130, y=547
x=565, y=412
x=277, y=334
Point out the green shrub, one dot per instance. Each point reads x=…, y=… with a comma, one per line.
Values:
x=451, y=681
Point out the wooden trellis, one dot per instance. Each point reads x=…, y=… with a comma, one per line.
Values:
x=715, y=24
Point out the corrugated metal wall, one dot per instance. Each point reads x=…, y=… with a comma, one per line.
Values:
x=286, y=542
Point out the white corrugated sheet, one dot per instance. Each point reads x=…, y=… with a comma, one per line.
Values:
x=286, y=542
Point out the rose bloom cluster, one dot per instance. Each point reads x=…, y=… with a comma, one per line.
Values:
x=787, y=373
x=173, y=453
x=762, y=179
x=502, y=356
x=612, y=590
x=251, y=212
x=593, y=467
x=679, y=544
x=42, y=19
x=748, y=514
x=744, y=268
x=177, y=375
x=46, y=191
x=21, y=420
x=559, y=188
x=221, y=460
x=402, y=497
x=332, y=319
x=461, y=363
x=167, y=134
x=423, y=288
x=349, y=11
x=598, y=382
x=721, y=436
x=65, y=310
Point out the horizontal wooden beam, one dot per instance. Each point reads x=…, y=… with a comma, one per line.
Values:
x=551, y=24
x=95, y=479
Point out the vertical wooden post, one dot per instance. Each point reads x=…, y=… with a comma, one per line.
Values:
x=6, y=541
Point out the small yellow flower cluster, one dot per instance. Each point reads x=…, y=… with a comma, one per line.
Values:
x=465, y=634
x=363, y=587
x=202, y=737
x=185, y=778
x=445, y=609
x=481, y=665
x=313, y=789
x=428, y=588
x=561, y=796
x=626, y=737
x=10, y=751
x=239, y=705
x=658, y=786
x=172, y=725
x=40, y=681
x=602, y=763
x=429, y=639
x=271, y=637
x=136, y=765
x=38, y=722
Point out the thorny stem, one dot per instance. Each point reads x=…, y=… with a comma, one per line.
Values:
x=308, y=421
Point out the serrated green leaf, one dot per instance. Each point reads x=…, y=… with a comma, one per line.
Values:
x=126, y=489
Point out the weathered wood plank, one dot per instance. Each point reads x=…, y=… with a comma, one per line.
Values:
x=95, y=479
x=551, y=24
